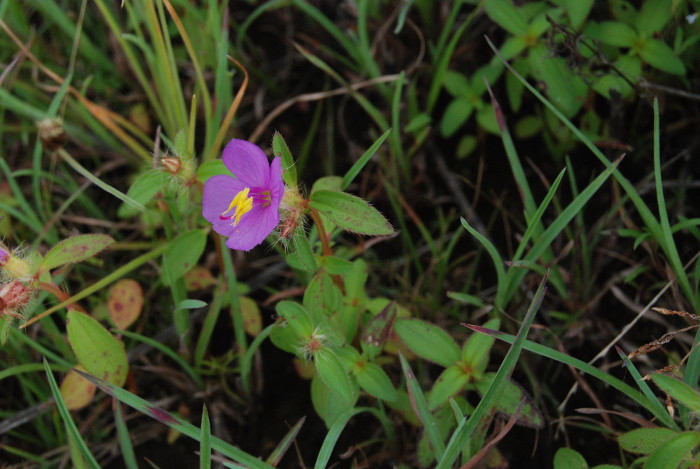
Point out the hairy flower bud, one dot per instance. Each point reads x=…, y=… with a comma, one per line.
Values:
x=13, y=297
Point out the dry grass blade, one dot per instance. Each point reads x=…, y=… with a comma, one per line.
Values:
x=658, y=343
x=672, y=312
x=109, y=119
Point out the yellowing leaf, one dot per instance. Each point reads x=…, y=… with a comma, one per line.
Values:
x=125, y=302
x=77, y=392
x=252, y=320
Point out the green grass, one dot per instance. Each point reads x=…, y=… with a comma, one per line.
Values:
x=553, y=235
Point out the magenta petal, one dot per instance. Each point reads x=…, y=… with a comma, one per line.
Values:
x=247, y=162
x=274, y=181
x=253, y=228
x=218, y=193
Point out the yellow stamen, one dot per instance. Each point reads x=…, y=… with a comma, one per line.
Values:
x=243, y=205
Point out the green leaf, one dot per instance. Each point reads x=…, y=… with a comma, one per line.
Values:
x=653, y=16
x=334, y=375
x=645, y=440
x=451, y=381
x=679, y=390
x=615, y=34
x=511, y=398
x=303, y=251
x=326, y=402
x=211, y=168
x=100, y=353
x=142, y=190
x=75, y=249
x=428, y=341
x=565, y=89
x=375, y=381
x=182, y=254
x=670, y=454
x=350, y=213
x=456, y=84
x=567, y=458
x=191, y=304
x=298, y=319
x=362, y=161
x=475, y=352
x=289, y=169
x=659, y=55
x=578, y=11
x=456, y=114
x=507, y=16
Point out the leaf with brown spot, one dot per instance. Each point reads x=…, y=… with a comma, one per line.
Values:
x=199, y=278
x=125, y=302
x=252, y=320
x=77, y=392
x=75, y=249
x=101, y=353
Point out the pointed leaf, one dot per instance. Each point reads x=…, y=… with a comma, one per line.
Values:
x=645, y=440
x=97, y=350
x=674, y=451
x=75, y=249
x=182, y=254
x=142, y=190
x=350, y=213
x=451, y=381
x=659, y=55
x=428, y=341
x=375, y=381
x=334, y=375
x=289, y=169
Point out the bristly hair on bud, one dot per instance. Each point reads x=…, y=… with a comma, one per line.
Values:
x=14, y=298
x=312, y=344
x=13, y=266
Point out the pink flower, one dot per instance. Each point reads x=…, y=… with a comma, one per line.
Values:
x=244, y=208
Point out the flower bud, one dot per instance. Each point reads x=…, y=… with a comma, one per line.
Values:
x=51, y=133
x=13, y=297
x=13, y=265
x=171, y=164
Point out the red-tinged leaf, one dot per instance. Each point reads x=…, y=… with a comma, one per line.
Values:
x=199, y=278
x=125, y=302
x=77, y=392
x=75, y=249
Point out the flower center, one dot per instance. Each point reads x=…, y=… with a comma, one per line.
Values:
x=243, y=202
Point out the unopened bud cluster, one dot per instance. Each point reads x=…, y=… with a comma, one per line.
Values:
x=16, y=290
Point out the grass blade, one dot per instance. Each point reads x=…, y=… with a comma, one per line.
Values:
x=125, y=445
x=71, y=428
x=420, y=407
x=175, y=422
x=462, y=434
x=205, y=442
x=286, y=442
